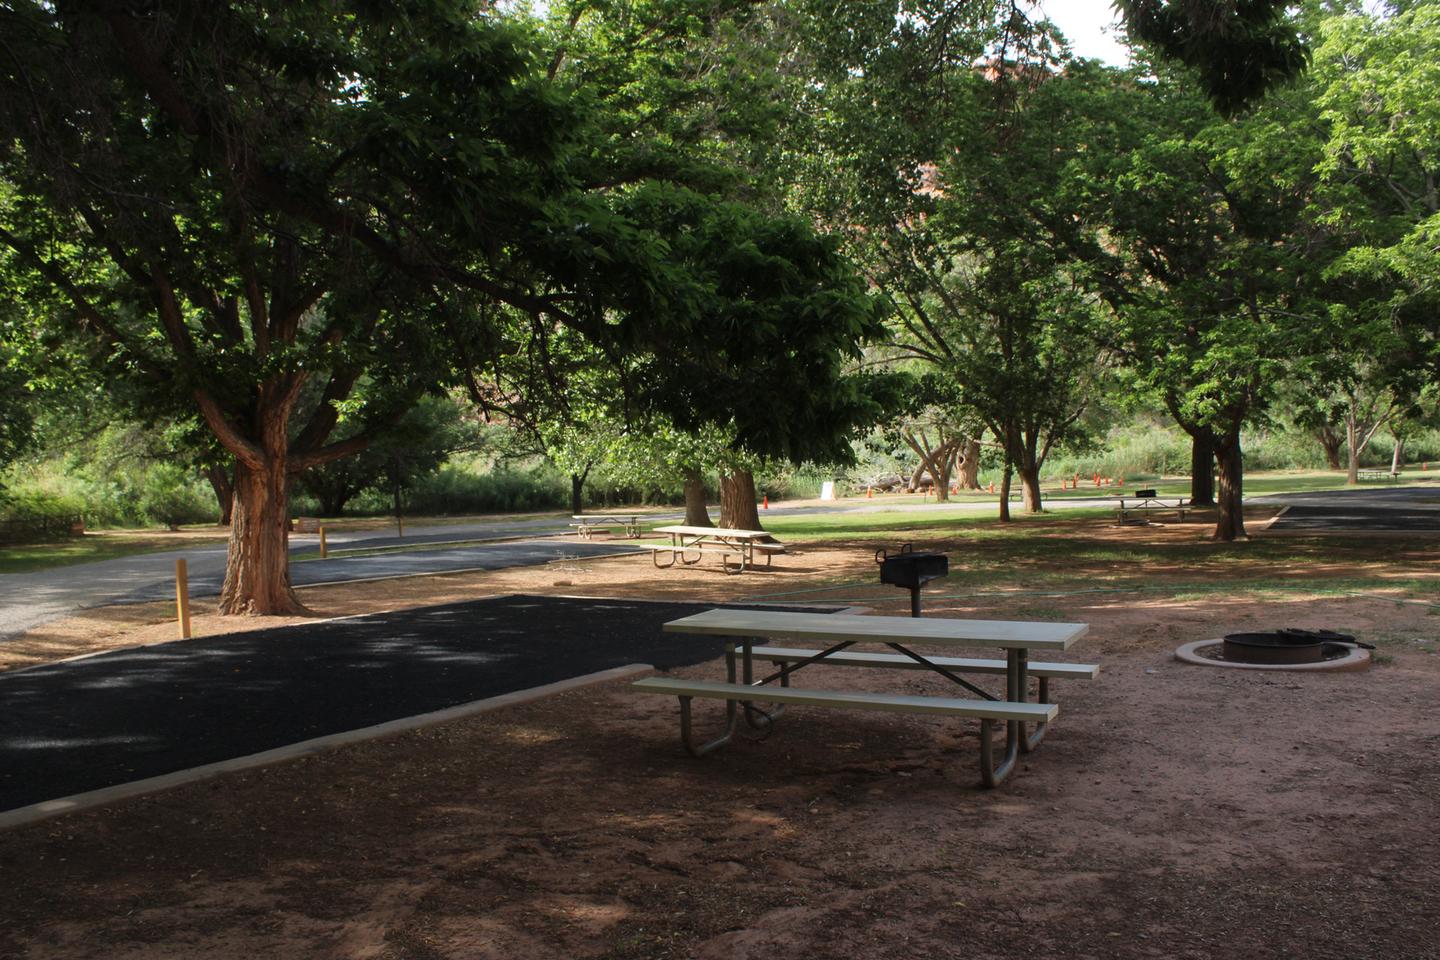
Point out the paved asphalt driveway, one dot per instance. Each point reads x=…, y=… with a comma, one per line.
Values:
x=30, y=599
x=1387, y=509
x=27, y=600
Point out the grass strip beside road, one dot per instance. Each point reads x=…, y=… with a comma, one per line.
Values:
x=29, y=557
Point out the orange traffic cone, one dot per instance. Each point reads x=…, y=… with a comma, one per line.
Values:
x=992, y=486
x=869, y=493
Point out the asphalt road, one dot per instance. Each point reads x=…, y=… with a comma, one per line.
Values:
x=1381, y=509
x=30, y=599
x=69, y=728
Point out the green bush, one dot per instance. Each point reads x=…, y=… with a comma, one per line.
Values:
x=457, y=488
x=170, y=498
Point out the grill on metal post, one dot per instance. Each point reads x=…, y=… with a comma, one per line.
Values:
x=911, y=570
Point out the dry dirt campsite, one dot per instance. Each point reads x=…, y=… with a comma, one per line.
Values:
x=1174, y=810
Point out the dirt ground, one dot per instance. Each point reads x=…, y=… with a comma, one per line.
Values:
x=1174, y=811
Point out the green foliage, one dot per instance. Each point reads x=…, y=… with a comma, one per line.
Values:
x=169, y=496
x=400, y=455
x=1239, y=49
x=121, y=476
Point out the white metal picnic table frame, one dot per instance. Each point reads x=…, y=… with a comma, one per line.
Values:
x=586, y=524
x=685, y=540
x=841, y=631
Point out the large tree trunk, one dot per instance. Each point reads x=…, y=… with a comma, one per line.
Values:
x=1005, y=491
x=1030, y=487
x=1397, y=457
x=224, y=488
x=1231, y=525
x=577, y=487
x=1202, y=472
x=1354, y=447
x=738, y=510
x=1330, y=442
x=257, y=574
x=696, y=514
x=934, y=462
x=970, y=465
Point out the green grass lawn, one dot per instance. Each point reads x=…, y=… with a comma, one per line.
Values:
x=25, y=558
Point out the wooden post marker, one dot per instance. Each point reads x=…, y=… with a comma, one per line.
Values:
x=182, y=597
x=323, y=553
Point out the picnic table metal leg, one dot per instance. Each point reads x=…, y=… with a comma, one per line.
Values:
x=1030, y=741
x=752, y=712
x=744, y=559
x=991, y=773
x=687, y=734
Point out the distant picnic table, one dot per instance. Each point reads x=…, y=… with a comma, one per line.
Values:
x=587, y=525
x=1139, y=505
x=690, y=544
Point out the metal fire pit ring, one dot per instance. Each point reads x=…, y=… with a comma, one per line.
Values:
x=1357, y=659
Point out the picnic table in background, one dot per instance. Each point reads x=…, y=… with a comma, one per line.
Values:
x=690, y=544
x=1146, y=502
x=587, y=525
x=833, y=634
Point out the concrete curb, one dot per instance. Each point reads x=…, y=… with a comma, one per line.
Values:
x=122, y=791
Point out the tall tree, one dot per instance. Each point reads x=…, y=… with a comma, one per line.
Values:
x=236, y=200
x=1225, y=266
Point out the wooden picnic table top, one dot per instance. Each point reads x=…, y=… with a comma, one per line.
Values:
x=835, y=627
x=726, y=532
x=606, y=516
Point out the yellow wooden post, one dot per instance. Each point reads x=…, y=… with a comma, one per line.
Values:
x=182, y=597
x=323, y=553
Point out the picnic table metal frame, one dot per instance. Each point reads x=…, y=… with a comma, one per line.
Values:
x=1147, y=504
x=684, y=539
x=589, y=523
x=1017, y=656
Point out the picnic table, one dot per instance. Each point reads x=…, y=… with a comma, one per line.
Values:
x=1145, y=502
x=690, y=544
x=832, y=635
x=587, y=525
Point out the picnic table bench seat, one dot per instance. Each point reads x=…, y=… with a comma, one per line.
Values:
x=1377, y=475
x=989, y=712
x=851, y=658
x=893, y=702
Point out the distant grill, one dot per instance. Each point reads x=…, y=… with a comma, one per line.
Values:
x=911, y=570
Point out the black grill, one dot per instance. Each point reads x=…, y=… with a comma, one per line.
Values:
x=912, y=571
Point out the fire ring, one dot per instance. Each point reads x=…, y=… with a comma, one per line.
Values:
x=1354, y=658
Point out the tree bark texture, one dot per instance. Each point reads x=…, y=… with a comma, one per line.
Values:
x=970, y=465
x=936, y=462
x=1231, y=525
x=696, y=513
x=1202, y=472
x=257, y=576
x=1005, y=491
x=1023, y=456
x=1330, y=443
x=577, y=488
x=224, y=488
x=1397, y=457
x=738, y=509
